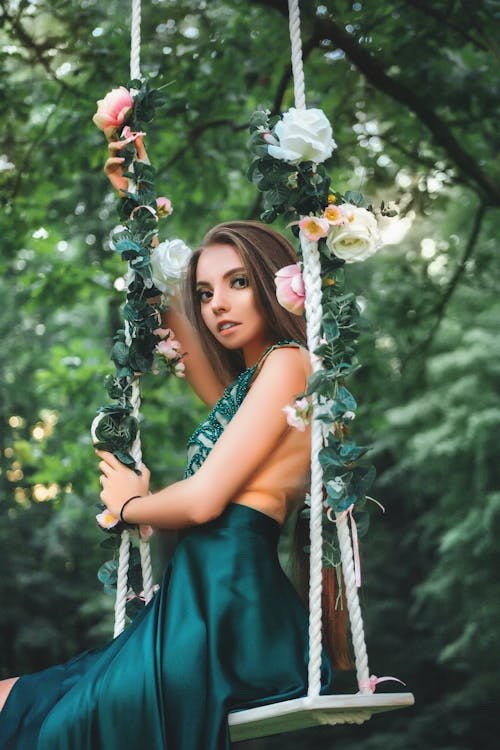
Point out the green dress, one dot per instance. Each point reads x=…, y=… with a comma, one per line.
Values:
x=225, y=631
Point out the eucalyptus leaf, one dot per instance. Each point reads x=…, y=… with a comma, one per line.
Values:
x=330, y=326
x=108, y=573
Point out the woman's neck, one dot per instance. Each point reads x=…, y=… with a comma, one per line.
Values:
x=254, y=351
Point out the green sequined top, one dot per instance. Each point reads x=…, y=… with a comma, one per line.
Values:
x=209, y=431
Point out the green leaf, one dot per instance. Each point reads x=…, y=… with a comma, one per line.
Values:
x=356, y=198
x=127, y=249
x=108, y=573
x=345, y=401
x=330, y=327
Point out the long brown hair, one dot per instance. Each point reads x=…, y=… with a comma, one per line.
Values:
x=263, y=251
x=333, y=600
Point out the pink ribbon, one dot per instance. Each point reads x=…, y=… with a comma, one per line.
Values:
x=373, y=681
x=148, y=208
x=129, y=135
x=355, y=542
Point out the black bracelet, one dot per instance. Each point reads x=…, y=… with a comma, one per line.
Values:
x=134, y=497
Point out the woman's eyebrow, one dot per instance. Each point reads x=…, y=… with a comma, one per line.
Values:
x=224, y=276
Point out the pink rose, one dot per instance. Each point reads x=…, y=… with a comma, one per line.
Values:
x=163, y=207
x=313, y=228
x=169, y=348
x=290, y=291
x=113, y=110
x=106, y=520
x=162, y=333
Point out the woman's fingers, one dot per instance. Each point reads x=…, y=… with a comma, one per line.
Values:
x=113, y=171
x=117, y=145
x=109, y=460
x=105, y=468
x=141, y=149
x=113, y=164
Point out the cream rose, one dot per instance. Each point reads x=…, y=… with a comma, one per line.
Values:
x=169, y=261
x=304, y=135
x=358, y=238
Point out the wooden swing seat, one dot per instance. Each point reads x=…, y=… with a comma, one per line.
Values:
x=303, y=713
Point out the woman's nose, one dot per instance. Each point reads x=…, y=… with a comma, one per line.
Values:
x=219, y=300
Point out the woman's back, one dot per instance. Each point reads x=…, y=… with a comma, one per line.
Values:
x=280, y=482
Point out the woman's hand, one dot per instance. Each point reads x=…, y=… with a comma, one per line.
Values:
x=113, y=168
x=119, y=482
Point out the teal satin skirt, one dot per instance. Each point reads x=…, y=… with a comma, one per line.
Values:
x=225, y=631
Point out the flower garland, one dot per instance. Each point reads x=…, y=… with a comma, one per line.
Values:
x=288, y=169
x=154, y=268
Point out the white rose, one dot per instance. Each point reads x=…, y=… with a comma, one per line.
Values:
x=169, y=262
x=358, y=238
x=304, y=135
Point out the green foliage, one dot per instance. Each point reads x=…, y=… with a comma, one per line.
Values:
x=298, y=188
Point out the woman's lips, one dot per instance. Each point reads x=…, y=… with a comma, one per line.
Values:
x=225, y=326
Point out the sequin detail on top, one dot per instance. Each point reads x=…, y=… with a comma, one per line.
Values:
x=208, y=432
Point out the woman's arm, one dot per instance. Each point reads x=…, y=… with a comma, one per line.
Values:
x=247, y=441
x=199, y=372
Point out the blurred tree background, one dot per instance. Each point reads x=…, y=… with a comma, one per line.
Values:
x=412, y=91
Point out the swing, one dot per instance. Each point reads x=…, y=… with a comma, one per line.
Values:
x=313, y=709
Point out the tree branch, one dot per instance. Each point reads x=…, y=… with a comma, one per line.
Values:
x=446, y=19
x=376, y=75
x=37, y=50
x=21, y=171
x=195, y=134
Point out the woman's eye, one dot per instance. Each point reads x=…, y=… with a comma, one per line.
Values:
x=204, y=295
x=240, y=282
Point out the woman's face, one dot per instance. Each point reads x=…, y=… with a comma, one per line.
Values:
x=227, y=301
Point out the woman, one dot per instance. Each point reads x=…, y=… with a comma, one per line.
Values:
x=226, y=630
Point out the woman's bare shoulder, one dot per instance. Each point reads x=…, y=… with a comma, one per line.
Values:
x=291, y=362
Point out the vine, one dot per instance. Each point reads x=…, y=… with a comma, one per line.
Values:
x=153, y=268
x=287, y=168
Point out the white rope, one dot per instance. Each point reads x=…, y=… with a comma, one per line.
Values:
x=135, y=40
x=121, y=584
x=136, y=451
x=314, y=313
x=353, y=606
x=312, y=283
x=313, y=306
x=299, y=89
